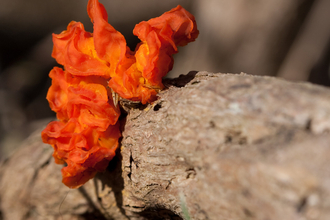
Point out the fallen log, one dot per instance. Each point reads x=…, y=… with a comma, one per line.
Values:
x=213, y=146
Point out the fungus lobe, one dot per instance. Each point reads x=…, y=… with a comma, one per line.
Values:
x=85, y=137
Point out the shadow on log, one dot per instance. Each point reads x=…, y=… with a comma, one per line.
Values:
x=213, y=146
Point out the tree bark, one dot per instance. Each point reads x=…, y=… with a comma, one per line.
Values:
x=213, y=146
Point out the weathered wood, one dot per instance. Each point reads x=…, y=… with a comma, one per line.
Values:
x=223, y=146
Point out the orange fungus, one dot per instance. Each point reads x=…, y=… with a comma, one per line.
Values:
x=85, y=137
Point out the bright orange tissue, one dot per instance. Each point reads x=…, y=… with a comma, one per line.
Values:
x=85, y=137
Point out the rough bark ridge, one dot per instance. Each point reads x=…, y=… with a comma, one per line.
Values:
x=214, y=146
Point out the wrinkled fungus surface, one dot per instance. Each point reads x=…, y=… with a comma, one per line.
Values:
x=85, y=137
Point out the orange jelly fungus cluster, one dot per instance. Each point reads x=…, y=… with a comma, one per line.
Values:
x=85, y=137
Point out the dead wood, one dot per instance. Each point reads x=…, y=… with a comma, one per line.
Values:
x=213, y=146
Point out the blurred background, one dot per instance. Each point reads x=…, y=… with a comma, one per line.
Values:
x=287, y=39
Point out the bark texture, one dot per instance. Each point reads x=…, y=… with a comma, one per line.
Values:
x=213, y=146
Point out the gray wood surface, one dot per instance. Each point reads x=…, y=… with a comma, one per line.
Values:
x=222, y=146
